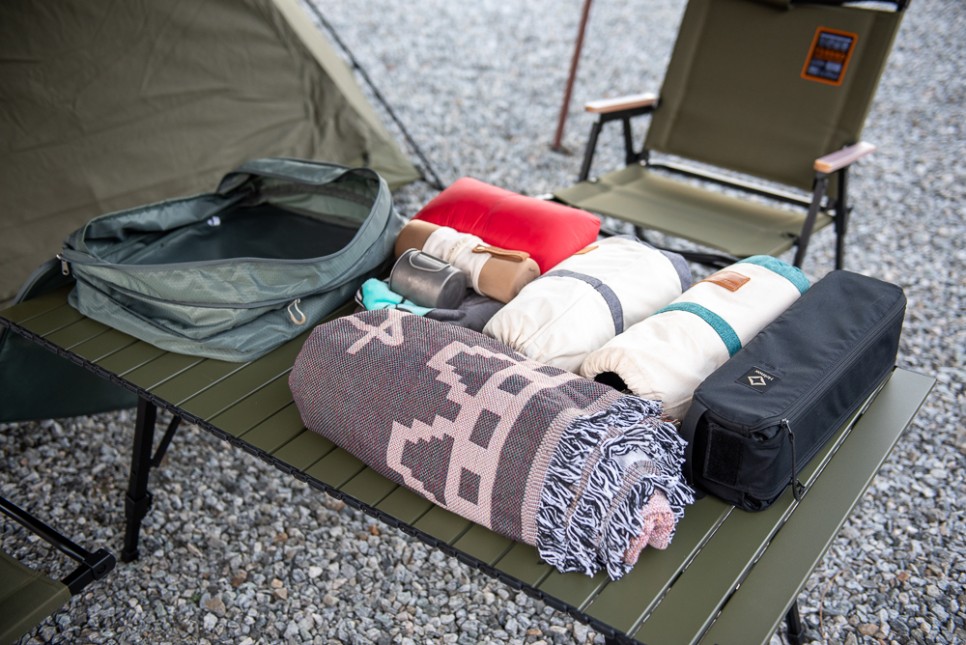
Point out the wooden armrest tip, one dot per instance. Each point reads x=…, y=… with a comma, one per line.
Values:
x=620, y=103
x=841, y=158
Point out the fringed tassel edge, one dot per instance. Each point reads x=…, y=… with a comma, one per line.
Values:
x=589, y=520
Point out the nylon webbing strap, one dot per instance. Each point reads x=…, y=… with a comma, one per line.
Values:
x=610, y=298
x=725, y=331
x=785, y=270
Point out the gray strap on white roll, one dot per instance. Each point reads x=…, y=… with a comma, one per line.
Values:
x=610, y=298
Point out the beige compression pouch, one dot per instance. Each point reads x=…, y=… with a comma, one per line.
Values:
x=493, y=272
x=413, y=236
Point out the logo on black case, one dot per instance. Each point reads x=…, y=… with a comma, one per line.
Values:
x=758, y=379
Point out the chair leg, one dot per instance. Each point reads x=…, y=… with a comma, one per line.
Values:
x=821, y=182
x=839, y=249
x=138, y=499
x=796, y=629
x=841, y=217
x=589, y=152
x=629, y=155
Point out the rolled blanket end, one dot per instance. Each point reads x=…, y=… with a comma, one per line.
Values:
x=613, y=486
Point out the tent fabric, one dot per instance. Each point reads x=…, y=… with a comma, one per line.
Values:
x=108, y=105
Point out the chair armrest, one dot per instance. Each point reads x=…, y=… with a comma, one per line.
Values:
x=622, y=108
x=621, y=103
x=841, y=158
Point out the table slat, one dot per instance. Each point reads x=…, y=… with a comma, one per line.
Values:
x=404, y=505
x=336, y=468
x=197, y=378
x=76, y=333
x=443, y=525
x=23, y=312
x=524, y=564
x=275, y=431
x=303, y=450
x=251, y=410
x=623, y=604
x=575, y=589
x=483, y=544
x=247, y=379
x=162, y=368
x=52, y=320
x=103, y=345
x=369, y=487
x=129, y=358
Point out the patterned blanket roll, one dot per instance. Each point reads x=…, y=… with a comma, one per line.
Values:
x=540, y=455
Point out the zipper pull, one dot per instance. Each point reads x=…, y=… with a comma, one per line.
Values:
x=64, y=266
x=798, y=489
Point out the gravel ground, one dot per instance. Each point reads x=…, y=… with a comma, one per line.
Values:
x=233, y=552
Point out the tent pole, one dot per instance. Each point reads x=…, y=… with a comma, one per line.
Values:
x=585, y=13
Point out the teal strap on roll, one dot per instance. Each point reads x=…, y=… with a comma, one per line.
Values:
x=791, y=273
x=725, y=331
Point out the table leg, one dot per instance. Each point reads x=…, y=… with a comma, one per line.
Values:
x=138, y=499
x=796, y=629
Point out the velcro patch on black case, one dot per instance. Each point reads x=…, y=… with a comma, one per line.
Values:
x=722, y=459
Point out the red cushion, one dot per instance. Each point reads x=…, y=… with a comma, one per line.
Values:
x=548, y=231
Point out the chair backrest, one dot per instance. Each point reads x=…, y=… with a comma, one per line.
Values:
x=765, y=87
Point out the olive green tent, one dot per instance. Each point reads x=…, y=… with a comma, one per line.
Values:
x=105, y=105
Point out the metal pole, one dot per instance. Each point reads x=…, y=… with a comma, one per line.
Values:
x=578, y=46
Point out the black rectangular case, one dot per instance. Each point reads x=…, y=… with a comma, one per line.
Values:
x=758, y=419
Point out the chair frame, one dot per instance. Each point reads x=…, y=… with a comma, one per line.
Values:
x=92, y=565
x=831, y=167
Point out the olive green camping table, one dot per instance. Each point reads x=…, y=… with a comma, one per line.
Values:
x=728, y=577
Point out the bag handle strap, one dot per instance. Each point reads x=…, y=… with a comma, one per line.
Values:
x=302, y=170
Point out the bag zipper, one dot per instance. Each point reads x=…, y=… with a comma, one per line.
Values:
x=87, y=259
x=831, y=376
x=275, y=302
x=798, y=489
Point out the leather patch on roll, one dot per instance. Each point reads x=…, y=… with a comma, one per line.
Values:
x=730, y=280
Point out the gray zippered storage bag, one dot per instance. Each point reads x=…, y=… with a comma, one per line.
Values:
x=232, y=274
x=761, y=417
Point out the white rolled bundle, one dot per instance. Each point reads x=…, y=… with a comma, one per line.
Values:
x=588, y=299
x=667, y=355
x=460, y=250
x=492, y=272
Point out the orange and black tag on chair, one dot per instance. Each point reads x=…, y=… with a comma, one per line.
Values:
x=829, y=55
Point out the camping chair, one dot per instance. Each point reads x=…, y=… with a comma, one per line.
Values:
x=763, y=97
x=28, y=596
